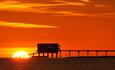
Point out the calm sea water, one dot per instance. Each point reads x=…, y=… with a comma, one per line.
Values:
x=58, y=64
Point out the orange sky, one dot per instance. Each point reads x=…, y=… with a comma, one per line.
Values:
x=75, y=24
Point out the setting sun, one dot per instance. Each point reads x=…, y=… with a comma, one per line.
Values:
x=21, y=54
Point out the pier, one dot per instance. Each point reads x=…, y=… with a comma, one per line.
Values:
x=78, y=53
x=88, y=53
x=52, y=50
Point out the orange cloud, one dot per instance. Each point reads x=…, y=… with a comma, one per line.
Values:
x=71, y=3
x=102, y=6
x=70, y=13
x=25, y=25
x=46, y=8
x=33, y=7
x=85, y=0
x=74, y=3
x=17, y=4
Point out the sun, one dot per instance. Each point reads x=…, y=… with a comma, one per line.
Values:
x=21, y=54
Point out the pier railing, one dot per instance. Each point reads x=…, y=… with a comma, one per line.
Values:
x=77, y=53
x=88, y=53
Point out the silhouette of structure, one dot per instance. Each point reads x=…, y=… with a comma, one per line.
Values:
x=50, y=49
x=88, y=53
x=47, y=48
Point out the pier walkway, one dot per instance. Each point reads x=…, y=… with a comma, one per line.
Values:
x=78, y=53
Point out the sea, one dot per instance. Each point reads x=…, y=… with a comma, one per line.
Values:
x=57, y=64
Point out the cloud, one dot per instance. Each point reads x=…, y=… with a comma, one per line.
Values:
x=70, y=13
x=33, y=7
x=103, y=1
x=37, y=1
x=85, y=0
x=60, y=7
x=24, y=25
x=99, y=5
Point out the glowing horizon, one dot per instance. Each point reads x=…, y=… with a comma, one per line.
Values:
x=21, y=54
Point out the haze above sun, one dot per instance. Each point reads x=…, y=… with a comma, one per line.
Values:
x=21, y=54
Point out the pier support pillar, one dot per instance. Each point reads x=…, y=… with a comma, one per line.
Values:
x=78, y=53
x=60, y=53
x=56, y=55
x=52, y=55
x=38, y=54
x=97, y=53
x=106, y=53
x=87, y=52
x=48, y=55
x=69, y=53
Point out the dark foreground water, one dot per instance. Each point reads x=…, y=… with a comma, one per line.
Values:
x=58, y=64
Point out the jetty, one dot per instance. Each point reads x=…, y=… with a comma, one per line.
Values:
x=52, y=50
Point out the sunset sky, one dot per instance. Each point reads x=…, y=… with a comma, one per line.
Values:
x=74, y=24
